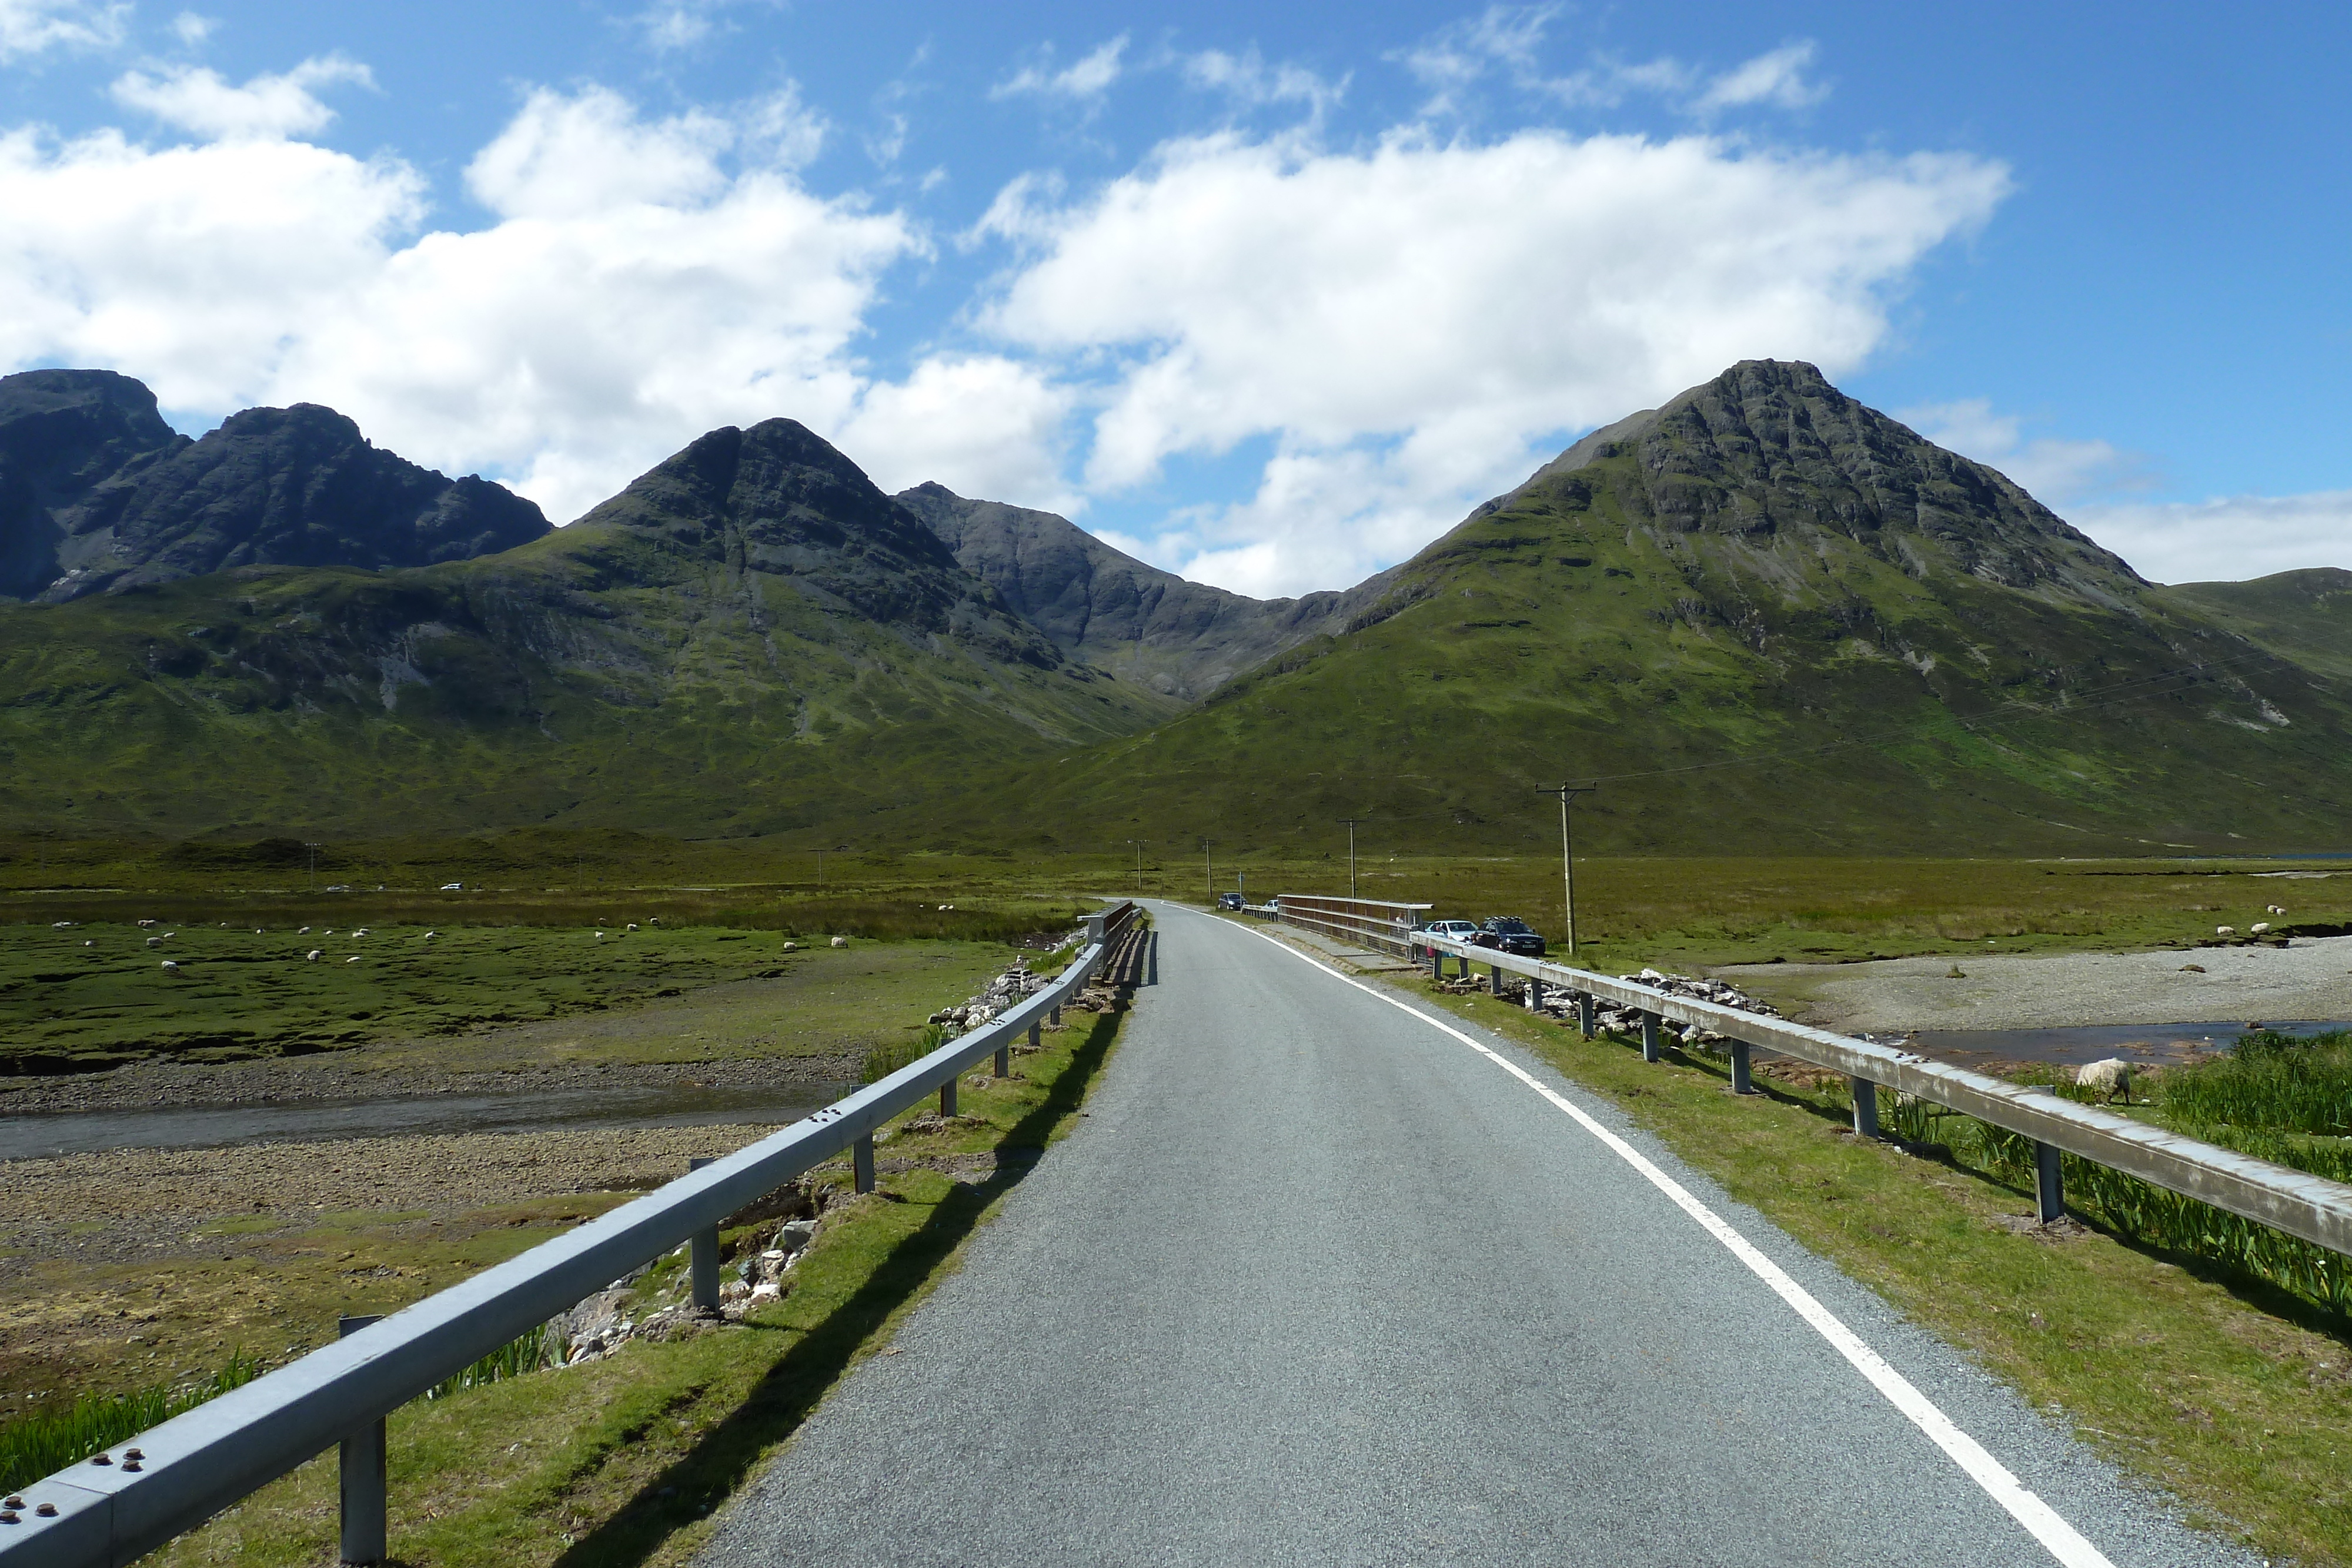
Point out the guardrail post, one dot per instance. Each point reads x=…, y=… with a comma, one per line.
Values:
x=1152, y=959
x=1535, y=995
x=1095, y=928
x=1740, y=1083
x=705, y=1270
x=861, y=1164
x=1436, y=965
x=947, y=1095
x=1865, y=1107
x=2049, y=1183
x=363, y=1479
x=1649, y=1037
x=1493, y=979
x=1004, y=1059
x=1585, y=1010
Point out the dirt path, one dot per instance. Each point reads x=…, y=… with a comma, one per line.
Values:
x=2310, y=979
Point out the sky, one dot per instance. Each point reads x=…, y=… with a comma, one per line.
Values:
x=1270, y=296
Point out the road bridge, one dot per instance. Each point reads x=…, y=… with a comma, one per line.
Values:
x=1329, y=1276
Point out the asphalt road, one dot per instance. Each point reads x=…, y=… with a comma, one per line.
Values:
x=1317, y=1281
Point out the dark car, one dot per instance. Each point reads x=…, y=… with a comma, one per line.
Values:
x=1511, y=934
x=1229, y=900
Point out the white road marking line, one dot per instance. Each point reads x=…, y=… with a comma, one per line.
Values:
x=2059, y=1538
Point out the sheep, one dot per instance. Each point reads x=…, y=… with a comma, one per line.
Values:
x=304, y=931
x=360, y=932
x=430, y=935
x=2109, y=1077
x=2225, y=931
x=632, y=925
x=841, y=941
x=2274, y=909
x=171, y=966
x=352, y=959
x=144, y=924
x=314, y=955
x=155, y=941
x=2259, y=927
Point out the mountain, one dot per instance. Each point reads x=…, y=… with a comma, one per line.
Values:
x=97, y=493
x=2304, y=615
x=1768, y=619
x=750, y=637
x=1099, y=604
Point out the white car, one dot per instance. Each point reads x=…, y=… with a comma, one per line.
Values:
x=453, y=887
x=1452, y=930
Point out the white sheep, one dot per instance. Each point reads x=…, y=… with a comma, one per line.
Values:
x=2259, y=927
x=841, y=941
x=2274, y=909
x=155, y=941
x=352, y=959
x=304, y=931
x=171, y=966
x=2225, y=931
x=315, y=954
x=2108, y=1078
x=632, y=925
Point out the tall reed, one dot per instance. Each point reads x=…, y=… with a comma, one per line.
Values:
x=42, y=1441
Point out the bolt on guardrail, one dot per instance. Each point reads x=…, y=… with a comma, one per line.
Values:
x=189, y=1468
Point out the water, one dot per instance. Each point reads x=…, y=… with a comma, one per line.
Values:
x=2158, y=1045
x=42, y=1134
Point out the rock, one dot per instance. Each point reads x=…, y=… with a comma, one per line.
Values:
x=2192, y=968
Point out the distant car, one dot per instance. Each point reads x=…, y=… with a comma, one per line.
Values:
x=453, y=887
x=1509, y=933
x=1450, y=930
x=1229, y=900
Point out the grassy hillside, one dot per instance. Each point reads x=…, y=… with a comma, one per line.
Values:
x=2305, y=615
x=750, y=638
x=1767, y=620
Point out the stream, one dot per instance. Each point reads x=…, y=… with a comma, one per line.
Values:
x=43, y=1134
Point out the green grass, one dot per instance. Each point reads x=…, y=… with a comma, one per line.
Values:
x=2191, y=1369
x=2269, y=1082
x=39, y=1442
x=96, y=995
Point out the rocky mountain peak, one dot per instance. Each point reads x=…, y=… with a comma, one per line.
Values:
x=1771, y=448
x=778, y=499
x=99, y=493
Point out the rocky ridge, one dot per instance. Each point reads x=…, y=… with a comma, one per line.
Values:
x=97, y=494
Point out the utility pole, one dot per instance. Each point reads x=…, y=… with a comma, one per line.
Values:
x=1568, y=792
x=314, y=866
x=1138, y=844
x=1351, y=822
x=1208, y=870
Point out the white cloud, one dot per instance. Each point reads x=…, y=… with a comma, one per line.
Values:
x=642, y=281
x=1088, y=79
x=2226, y=540
x=2054, y=471
x=981, y=424
x=1249, y=82
x=32, y=26
x=197, y=98
x=1412, y=327
x=192, y=29
x=1460, y=57
x=1776, y=78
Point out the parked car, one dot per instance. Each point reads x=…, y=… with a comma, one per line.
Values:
x=1229, y=900
x=453, y=887
x=1509, y=933
x=1451, y=930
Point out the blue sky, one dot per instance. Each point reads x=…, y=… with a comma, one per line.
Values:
x=1270, y=299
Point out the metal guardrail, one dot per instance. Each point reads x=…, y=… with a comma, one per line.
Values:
x=2297, y=1202
x=108, y=1510
x=1371, y=921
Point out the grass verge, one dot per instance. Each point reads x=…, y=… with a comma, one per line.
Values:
x=623, y=1461
x=2227, y=1391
